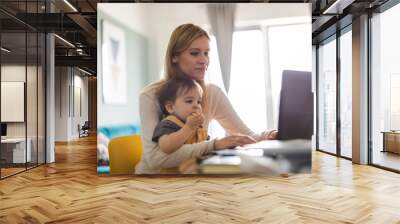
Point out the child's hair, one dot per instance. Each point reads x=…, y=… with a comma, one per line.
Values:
x=173, y=88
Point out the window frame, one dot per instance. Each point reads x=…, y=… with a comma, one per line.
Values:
x=334, y=37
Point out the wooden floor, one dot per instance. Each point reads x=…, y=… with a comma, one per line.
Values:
x=70, y=191
x=10, y=171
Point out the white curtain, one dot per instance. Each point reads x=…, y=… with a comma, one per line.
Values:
x=222, y=18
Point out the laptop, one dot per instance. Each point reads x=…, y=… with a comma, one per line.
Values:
x=295, y=124
x=296, y=108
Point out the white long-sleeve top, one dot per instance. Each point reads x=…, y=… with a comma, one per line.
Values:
x=153, y=159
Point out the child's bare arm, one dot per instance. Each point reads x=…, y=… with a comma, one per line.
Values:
x=171, y=142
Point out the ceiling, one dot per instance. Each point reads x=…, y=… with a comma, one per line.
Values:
x=76, y=23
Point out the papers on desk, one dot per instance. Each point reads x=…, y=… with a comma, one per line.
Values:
x=262, y=158
x=241, y=162
x=296, y=144
x=238, y=152
x=221, y=165
x=251, y=161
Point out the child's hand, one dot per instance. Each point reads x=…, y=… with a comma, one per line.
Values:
x=195, y=121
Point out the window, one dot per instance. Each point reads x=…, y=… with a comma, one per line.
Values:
x=246, y=82
x=385, y=85
x=327, y=96
x=346, y=94
x=247, y=88
x=394, y=101
x=253, y=68
x=289, y=49
x=213, y=75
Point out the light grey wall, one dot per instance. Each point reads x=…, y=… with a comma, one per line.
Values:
x=61, y=103
x=16, y=73
x=80, y=115
x=67, y=79
x=137, y=75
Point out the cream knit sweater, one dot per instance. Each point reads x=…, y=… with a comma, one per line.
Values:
x=153, y=159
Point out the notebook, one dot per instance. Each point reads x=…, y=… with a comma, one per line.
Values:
x=217, y=164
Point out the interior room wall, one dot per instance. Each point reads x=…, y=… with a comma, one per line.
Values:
x=15, y=72
x=136, y=67
x=62, y=113
x=33, y=126
x=79, y=116
x=67, y=115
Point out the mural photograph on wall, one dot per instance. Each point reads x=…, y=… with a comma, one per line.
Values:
x=213, y=88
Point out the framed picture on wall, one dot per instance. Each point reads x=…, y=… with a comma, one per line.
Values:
x=113, y=64
x=12, y=101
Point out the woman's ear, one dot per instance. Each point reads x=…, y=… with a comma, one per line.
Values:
x=174, y=59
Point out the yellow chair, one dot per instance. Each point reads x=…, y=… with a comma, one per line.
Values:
x=124, y=153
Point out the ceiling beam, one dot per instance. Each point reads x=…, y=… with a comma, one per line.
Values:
x=337, y=7
x=83, y=61
x=85, y=25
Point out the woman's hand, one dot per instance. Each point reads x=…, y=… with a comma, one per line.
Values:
x=233, y=141
x=268, y=135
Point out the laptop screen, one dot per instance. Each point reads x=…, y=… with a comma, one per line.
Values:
x=296, y=108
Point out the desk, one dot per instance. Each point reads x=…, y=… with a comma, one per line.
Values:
x=391, y=141
x=13, y=150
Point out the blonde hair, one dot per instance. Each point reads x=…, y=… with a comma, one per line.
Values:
x=181, y=39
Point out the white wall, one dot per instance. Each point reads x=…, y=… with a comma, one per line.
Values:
x=136, y=53
x=67, y=79
x=80, y=82
x=61, y=103
x=130, y=15
x=17, y=73
x=33, y=127
x=14, y=73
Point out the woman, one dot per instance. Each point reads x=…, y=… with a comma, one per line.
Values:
x=187, y=55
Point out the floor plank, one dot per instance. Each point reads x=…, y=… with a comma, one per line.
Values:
x=70, y=191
